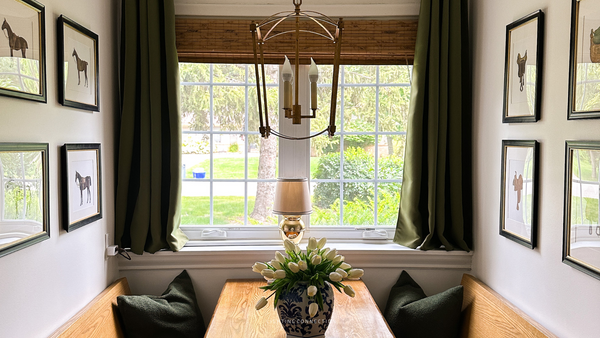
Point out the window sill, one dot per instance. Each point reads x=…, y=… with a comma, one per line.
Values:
x=371, y=255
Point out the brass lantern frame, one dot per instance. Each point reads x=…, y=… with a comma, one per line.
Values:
x=330, y=30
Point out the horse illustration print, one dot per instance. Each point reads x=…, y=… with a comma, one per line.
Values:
x=84, y=183
x=82, y=66
x=15, y=42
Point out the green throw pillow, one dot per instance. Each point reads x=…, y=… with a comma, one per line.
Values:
x=174, y=314
x=410, y=313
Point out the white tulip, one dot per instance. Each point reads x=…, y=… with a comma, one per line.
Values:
x=356, y=273
x=312, y=290
x=294, y=267
x=279, y=257
x=289, y=245
x=331, y=254
x=345, y=266
x=349, y=291
x=312, y=309
x=297, y=248
x=337, y=259
x=275, y=263
x=335, y=277
x=312, y=244
x=279, y=274
x=261, y=303
x=258, y=267
x=302, y=265
x=325, y=252
x=343, y=273
x=316, y=260
x=268, y=273
x=321, y=243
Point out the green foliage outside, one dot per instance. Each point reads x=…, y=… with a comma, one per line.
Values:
x=10, y=68
x=234, y=148
x=17, y=193
x=227, y=168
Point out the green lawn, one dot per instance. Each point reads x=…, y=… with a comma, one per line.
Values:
x=233, y=168
x=228, y=209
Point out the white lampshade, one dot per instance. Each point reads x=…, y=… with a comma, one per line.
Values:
x=292, y=197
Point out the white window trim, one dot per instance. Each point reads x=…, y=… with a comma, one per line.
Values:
x=248, y=235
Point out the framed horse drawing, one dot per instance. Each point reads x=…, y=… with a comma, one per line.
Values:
x=81, y=185
x=23, y=50
x=77, y=66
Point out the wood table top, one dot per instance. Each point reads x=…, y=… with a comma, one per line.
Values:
x=235, y=315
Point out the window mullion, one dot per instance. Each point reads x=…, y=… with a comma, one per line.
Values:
x=212, y=145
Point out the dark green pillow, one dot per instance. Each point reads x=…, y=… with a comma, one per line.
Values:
x=410, y=313
x=174, y=314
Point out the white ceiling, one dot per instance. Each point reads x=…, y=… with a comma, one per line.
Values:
x=264, y=8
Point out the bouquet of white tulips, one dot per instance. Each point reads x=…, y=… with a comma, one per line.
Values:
x=315, y=267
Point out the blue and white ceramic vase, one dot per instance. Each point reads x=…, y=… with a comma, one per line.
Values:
x=292, y=308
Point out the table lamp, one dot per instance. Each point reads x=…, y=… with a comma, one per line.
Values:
x=292, y=200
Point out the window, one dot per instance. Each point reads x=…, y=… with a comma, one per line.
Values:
x=229, y=171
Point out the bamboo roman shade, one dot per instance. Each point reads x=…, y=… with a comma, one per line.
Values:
x=373, y=42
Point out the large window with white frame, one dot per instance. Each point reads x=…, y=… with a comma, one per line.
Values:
x=229, y=171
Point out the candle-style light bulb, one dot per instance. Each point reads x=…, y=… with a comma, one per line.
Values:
x=313, y=76
x=287, y=76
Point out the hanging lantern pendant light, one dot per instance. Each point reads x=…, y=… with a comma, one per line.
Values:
x=330, y=30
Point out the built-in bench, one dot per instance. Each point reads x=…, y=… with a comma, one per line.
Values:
x=486, y=314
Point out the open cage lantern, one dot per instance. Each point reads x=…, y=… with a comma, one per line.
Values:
x=320, y=26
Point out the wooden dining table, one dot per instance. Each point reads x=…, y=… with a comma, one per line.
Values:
x=235, y=316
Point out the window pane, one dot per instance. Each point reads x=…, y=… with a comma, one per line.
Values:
x=359, y=108
x=271, y=73
x=229, y=108
x=272, y=101
x=194, y=72
x=195, y=108
x=359, y=163
x=359, y=208
x=326, y=203
x=263, y=157
x=195, y=156
x=325, y=158
x=195, y=203
x=324, y=104
x=229, y=161
x=228, y=203
x=223, y=73
x=394, y=74
x=393, y=108
x=260, y=203
x=391, y=157
x=326, y=74
x=388, y=201
x=360, y=74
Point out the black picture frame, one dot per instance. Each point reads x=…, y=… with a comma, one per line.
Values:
x=581, y=240
x=525, y=34
x=21, y=83
x=81, y=184
x=33, y=177
x=519, y=192
x=584, y=54
x=77, y=91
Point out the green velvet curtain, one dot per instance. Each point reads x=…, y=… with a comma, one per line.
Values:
x=148, y=201
x=436, y=197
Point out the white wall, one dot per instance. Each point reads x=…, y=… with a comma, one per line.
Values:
x=43, y=285
x=564, y=300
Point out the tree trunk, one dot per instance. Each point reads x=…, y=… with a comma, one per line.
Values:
x=265, y=191
x=390, y=145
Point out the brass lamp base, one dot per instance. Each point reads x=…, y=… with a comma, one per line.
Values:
x=292, y=228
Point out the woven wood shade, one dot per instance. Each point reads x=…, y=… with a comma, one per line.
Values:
x=373, y=42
